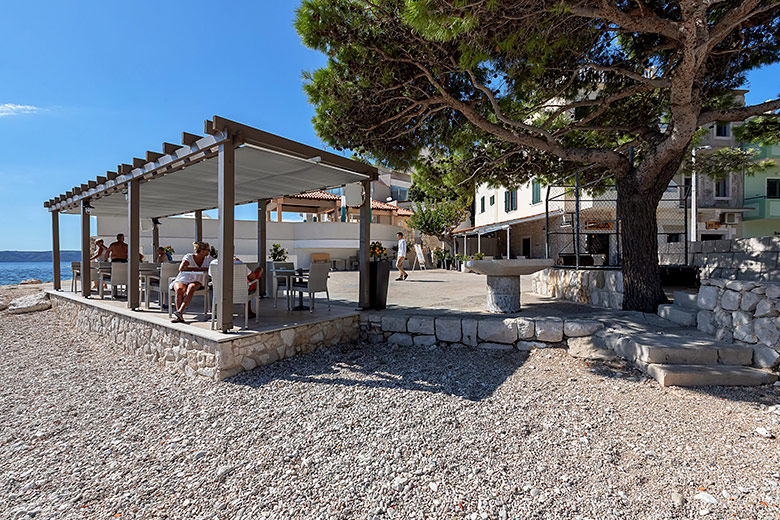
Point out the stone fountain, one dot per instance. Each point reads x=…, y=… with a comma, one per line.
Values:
x=503, y=280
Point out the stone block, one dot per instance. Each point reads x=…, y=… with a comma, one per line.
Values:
x=677, y=314
x=708, y=297
x=721, y=246
x=421, y=325
x=469, y=332
x=765, y=357
x=30, y=303
x=765, y=309
x=730, y=300
x=766, y=331
x=424, y=340
x=743, y=327
x=705, y=322
x=525, y=328
x=749, y=301
x=393, y=323
x=487, y=345
x=401, y=339
x=448, y=329
x=498, y=331
x=724, y=335
x=589, y=348
x=573, y=328
x=616, y=300
x=529, y=345
x=549, y=330
x=723, y=318
x=773, y=291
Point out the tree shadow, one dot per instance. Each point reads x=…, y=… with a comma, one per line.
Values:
x=465, y=373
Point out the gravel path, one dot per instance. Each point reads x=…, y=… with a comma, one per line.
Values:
x=370, y=432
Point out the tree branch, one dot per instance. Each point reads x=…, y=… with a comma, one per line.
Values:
x=738, y=114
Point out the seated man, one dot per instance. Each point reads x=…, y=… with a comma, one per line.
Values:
x=161, y=256
x=117, y=251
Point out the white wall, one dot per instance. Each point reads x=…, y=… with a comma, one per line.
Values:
x=496, y=213
x=338, y=239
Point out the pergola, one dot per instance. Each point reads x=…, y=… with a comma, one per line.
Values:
x=233, y=164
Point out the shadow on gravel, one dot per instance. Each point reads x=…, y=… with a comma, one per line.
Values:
x=457, y=372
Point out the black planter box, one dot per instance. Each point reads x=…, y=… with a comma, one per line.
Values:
x=378, y=279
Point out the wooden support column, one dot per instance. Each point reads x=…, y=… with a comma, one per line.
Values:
x=55, y=248
x=199, y=226
x=262, y=239
x=134, y=243
x=365, y=241
x=226, y=203
x=86, y=283
x=279, y=210
x=155, y=238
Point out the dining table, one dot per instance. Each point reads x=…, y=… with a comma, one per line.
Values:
x=147, y=275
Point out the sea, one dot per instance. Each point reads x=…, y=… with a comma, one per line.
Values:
x=15, y=272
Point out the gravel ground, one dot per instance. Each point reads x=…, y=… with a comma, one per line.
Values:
x=371, y=432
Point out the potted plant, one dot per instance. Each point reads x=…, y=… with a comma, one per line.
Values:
x=278, y=253
x=214, y=252
x=169, y=252
x=461, y=262
x=379, y=276
x=439, y=255
x=479, y=256
x=447, y=260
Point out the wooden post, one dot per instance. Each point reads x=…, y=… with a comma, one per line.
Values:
x=134, y=242
x=226, y=203
x=55, y=248
x=155, y=238
x=279, y=209
x=199, y=226
x=365, y=240
x=86, y=283
x=262, y=238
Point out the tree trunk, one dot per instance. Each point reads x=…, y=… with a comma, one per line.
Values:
x=642, y=289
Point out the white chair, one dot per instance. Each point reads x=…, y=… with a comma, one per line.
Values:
x=241, y=295
x=203, y=291
x=316, y=282
x=280, y=280
x=167, y=271
x=75, y=269
x=117, y=278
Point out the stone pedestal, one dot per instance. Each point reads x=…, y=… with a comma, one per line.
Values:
x=503, y=293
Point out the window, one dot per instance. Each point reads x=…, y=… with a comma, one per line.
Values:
x=723, y=189
x=482, y=204
x=536, y=192
x=492, y=200
x=510, y=200
x=773, y=188
x=336, y=191
x=673, y=238
x=399, y=193
x=723, y=130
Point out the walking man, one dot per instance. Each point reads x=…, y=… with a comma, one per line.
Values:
x=402, y=275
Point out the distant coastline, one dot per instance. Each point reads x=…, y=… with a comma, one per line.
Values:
x=38, y=256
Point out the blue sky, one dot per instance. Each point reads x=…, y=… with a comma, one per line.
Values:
x=105, y=81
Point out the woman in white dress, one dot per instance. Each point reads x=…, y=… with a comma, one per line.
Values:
x=191, y=277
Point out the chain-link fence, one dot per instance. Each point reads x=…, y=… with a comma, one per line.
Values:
x=583, y=227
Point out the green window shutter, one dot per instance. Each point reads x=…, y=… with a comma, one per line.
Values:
x=506, y=201
x=513, y=203
x=536, y=192
x=482, y=205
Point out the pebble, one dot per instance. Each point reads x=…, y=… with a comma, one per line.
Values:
x=677, y=499
x=705, y=497
x=763, y=432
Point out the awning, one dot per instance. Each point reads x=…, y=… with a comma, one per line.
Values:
x=498, y=226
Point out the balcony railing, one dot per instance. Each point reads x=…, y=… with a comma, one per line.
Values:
x=763, y=207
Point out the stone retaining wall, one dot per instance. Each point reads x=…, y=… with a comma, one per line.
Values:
x=600, y=287
x=742, y=312
x=482, y=332
x=194, y=355
x=750, y=259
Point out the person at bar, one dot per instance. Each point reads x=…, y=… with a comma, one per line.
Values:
x=191, y=277
x=117, y=251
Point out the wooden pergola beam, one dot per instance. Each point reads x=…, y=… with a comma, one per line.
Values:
x=124, y=168
x=153, y=156
x=138, y=163
x=111, y=175
x=169, y=148
x=188, y=139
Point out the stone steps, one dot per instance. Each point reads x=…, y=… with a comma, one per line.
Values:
x=709, y=375
x=679, y=347
x=687, y=300
x=680, y=315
